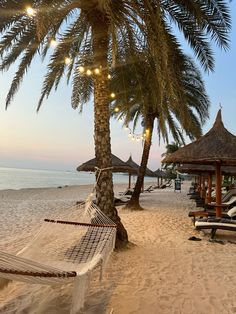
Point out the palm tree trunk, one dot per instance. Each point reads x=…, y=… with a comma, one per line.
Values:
x=133, y=204
x=104, y=189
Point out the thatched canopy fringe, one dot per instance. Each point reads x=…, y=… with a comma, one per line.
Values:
x=117, y=164
x=199, y=169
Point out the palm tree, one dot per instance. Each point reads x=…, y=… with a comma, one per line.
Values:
x=170, y=149
x=88, y=33
x=139, y=99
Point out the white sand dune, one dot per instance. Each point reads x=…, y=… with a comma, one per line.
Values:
x=162, y=273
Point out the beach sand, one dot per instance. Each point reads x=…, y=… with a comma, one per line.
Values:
x=162, y=272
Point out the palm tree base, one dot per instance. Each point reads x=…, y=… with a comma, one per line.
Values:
x=121, y=235
x=133, y=206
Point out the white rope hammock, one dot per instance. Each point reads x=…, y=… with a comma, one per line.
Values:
x=64, y=250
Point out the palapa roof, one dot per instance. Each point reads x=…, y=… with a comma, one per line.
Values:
x=198, y=169
x=217, y=145
x=117, y=164
x=135, y=166
x=159, y=173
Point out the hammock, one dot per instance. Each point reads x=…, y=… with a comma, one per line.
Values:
x=64, y=251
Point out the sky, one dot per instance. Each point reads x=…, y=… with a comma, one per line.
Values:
x=59, y=138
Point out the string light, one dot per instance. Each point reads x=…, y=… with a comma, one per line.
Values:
x=117, y=109
x=133, y=136
x=81, y=69
x=89, y=72
x=109, y=76
x=113, y=95
x=97, y=71
x=30, y=11
x=53, y=43
x=67, y=60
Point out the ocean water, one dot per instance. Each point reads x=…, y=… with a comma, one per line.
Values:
x=16, y=178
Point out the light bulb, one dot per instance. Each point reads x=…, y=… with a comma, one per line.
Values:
x=133, y=138
x=81, y=69
x=97, y=71
x=89, y=72
x=120, y=120
x=113, y=95
x=116, y=109
x=53, y=43
x=109, y=76
x=67, y=60
x=30, y=11
x=130, y=135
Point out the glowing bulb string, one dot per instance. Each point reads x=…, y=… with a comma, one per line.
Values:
x=133, y=136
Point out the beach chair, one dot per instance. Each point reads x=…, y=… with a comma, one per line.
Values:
x=126, y=192
x=210, y=213
x=121, y=200
x=218, y=223
x=149, y=189
x=226, y=204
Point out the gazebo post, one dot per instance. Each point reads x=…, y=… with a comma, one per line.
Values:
x=209, y=188
x=129, y=180
x=200, y=185
x=218, y=189
x=203, y=186
x=158, y=182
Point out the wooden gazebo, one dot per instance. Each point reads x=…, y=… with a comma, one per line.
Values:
x=217, y=147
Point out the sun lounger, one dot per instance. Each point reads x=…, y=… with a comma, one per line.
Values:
x=149, y=189
x=228, y=195
x=227, y=204
x=126, y=192
x=218, y=223
x=212, y=213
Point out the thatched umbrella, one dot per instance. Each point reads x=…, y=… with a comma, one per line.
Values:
x=135, y=166
x=159, y=174
x=117, y=165
x=217, y=147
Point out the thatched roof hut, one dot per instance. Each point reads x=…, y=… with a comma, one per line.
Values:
x=159, y=173
x=217, y=145
x=131, y=163
x=117, y=164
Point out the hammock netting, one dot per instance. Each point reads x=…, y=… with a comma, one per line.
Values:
x=64, y=250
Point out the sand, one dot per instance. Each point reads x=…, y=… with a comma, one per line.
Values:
x=162, y=273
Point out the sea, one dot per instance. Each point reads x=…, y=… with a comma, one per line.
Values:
x=17, y=178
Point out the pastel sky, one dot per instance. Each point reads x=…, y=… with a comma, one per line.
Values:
x=58, y=137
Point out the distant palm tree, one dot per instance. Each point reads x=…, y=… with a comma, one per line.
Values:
x=88, y=33
x=139, y=99
x=170, y=149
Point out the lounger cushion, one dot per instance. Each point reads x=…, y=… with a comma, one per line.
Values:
x=232, y=212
